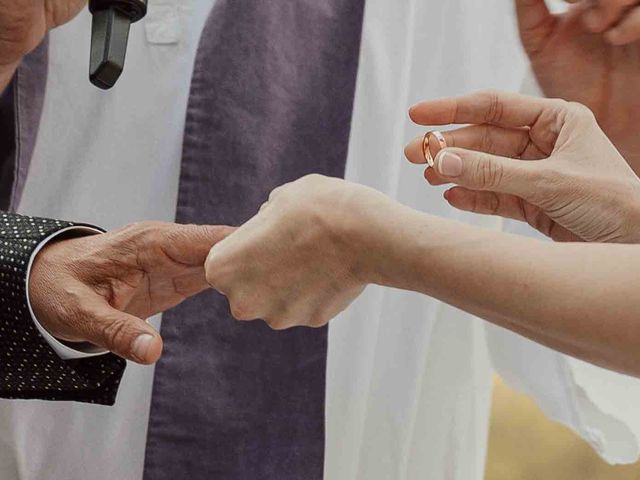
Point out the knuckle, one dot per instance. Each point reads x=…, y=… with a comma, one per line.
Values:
x=274, y=193
x=318, y=320
x=115, y=335
x=276, y=326
x=129, y=227
x=176, y=234
x=217, y=275
x=313, y=181
x=211, y=273
x=486, y=142
x=494, y=111
x=206, y=232
x=72, y=307
x=536, y=219
x=489, y=174
x=581, y=111
x=139, y=230
x=128, y=238
x=274, y=322
x=242, y=310
x=16, y=31
x=493, y=204
x=314, y=177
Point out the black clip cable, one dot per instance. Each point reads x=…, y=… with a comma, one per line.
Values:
x=112, y=20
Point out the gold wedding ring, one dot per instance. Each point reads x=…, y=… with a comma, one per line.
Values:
x=426, y=151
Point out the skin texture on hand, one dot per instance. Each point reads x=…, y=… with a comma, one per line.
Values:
x=23, y=25
x=301, y=260
x=577, y=298
x=100, y=289
x=544, y=162
x=318, y=242
x=572, y=62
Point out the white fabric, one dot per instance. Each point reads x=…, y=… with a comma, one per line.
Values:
x=409, y=379
x=65, y=352
x=599, y=405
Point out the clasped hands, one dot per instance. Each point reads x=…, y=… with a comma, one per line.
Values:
x=318, y=242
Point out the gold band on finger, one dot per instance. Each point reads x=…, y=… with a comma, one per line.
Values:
x=426, y=151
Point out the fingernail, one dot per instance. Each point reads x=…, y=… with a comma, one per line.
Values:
x=141, y=346
x=449, y=164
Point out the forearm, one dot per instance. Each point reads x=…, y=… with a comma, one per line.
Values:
x=582, y=299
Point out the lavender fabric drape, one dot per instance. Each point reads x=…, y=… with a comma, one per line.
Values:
x=271, y=100
x=20, y=111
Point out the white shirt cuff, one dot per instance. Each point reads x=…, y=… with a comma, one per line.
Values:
x=65, y=352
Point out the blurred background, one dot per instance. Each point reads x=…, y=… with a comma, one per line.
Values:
x=525, y=445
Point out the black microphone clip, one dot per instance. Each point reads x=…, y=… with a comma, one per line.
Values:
x=112, y=20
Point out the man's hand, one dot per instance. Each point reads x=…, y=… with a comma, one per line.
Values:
x=542, y=161
x=23, y=25
x=307, y=254
x=572, y=62
x=101, y=289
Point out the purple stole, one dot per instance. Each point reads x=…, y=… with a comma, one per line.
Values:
x=271, y=100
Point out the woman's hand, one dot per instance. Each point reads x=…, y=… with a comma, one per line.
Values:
x=545, y=162
x=599, y=70
x=307, y=254
x=23, y=25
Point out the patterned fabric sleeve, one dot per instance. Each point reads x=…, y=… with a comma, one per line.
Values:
x=29, y=368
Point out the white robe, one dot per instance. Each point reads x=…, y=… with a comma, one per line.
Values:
x=409, y=379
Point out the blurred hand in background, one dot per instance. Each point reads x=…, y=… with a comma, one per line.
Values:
x=23, y=25
x=598, y=67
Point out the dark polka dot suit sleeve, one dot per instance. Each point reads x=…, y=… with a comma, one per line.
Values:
x=29, y=367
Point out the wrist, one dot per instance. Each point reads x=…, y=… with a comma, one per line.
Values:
x=45, y=266
x=395, y=247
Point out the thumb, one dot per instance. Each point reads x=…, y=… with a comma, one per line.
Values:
x=482, y=171
x=536, y=23
x=190, y=244
x=125, y=335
